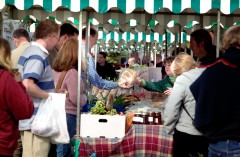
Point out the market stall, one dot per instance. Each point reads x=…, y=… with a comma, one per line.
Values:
x=152, y=8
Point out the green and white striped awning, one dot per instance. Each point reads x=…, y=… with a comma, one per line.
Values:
x=141, y=20
x=158, y=24
x=128, y=6
x=137, y=22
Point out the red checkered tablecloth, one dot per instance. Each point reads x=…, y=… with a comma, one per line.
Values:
x=140, y=141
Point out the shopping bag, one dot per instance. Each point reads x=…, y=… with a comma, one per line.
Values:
x=45, y=123
x=62, y=137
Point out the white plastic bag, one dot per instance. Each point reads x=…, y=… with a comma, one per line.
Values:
x=62, y=137
x=45, y=123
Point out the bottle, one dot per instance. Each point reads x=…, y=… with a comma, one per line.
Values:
x=145, y=118
x=158, y=118
x=151, y=118
x=137, y=118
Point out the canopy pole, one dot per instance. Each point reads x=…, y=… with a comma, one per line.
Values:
x=180, y=37
x=150, y=51
x=175, y=46
x=201, y=21
x=87, y=51
x=166, y=47
x=79, y=73
x=155, y=58
x=153, y=53
x=218, y=33
x=87, y=35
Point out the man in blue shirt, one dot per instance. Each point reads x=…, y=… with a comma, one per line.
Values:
x=92, y=74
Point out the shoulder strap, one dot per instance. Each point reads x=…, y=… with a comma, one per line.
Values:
x=217, y=61
x=60, y=80
x=186, y=110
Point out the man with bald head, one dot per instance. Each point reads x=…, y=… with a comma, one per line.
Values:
x=21, y=40
x=132, y=62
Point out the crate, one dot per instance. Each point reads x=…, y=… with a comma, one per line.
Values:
x=102, y=126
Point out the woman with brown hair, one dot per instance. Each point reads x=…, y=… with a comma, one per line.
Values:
x=180, y=110
x=15, y=104
x=67, y=61
x=162, y=86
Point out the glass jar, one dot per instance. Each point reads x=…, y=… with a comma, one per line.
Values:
x=158, y=118
x=144, y=118
x=137, y=118
x=151, y=118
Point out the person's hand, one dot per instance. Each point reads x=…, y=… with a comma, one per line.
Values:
x=138, y=80
x=17, y=76
x=168, y=91
x=46, y=96
x=124, y=85
x=62, y=91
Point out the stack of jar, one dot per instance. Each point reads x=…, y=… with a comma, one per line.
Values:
x=151, y=118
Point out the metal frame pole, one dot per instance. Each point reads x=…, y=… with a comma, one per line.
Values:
x=166, y=47
x=79, y=73
x=180, y=37
x=218, y=33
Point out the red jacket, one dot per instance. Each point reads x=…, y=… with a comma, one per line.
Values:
x=15, y=105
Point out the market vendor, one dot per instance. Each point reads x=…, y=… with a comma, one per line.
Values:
x=163, y=86
x=93, y=76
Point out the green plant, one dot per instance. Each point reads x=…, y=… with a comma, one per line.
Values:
x=92, y=99
x=100, y=108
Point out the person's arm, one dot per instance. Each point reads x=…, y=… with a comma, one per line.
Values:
x=96, y=80
x=168, y=91
x=33, y=90
x=31, y=72
x=172, y=107
x=19, y=103
x=159, y=86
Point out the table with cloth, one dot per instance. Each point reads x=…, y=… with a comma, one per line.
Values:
x=140, y=141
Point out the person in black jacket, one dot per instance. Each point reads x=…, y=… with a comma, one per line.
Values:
x=216, y=93
x=105, y=69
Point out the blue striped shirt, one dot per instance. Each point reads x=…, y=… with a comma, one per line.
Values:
x=33, y=63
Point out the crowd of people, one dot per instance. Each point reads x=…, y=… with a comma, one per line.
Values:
x=201, y=110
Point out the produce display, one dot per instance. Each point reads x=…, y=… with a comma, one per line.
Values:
x=125, y=100
x=113, y=105
x=100, y=108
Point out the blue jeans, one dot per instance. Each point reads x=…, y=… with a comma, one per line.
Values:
x=228, y=148
x=64, y=150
